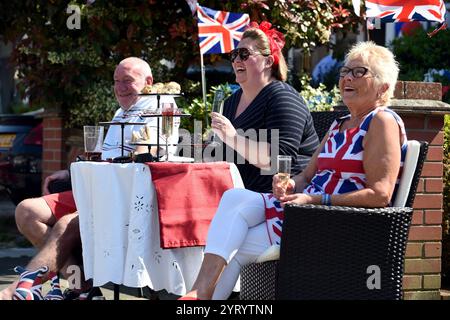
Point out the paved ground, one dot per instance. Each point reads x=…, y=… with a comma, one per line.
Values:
x=7, y=276
x=6, y=206
x=12, y=255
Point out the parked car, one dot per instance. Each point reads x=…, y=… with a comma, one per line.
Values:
x=21, y=155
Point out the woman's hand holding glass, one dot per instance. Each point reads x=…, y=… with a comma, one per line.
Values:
x=281, y=181
x=282, y=187
x=222, y=127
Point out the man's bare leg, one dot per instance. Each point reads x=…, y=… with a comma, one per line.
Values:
x=56, y=252
x=34, y=220
x=7, y=293
x=58, y=247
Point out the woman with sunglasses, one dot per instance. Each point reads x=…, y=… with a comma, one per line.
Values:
x=265, y=107
x=357, y=164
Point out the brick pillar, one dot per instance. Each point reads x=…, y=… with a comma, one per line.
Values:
x=53, y=158
x=423, y=115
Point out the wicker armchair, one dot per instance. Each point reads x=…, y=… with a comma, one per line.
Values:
x=324, y=119
x=330, y=252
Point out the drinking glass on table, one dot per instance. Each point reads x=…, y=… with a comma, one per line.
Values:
x=93, y=142
x=284, y=170
x=219, y=97
x=168, y=112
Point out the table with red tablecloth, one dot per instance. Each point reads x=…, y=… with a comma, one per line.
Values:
x=145, y=224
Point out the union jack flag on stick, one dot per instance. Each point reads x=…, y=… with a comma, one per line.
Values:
x=406, y=10
x=219, y=31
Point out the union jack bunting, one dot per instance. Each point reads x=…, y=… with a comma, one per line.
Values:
x=192, y=5
x=357, y=6
x=406, y=10
x=219, y=31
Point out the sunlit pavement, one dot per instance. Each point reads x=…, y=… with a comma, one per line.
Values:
x=11, y=257
x=7, y=276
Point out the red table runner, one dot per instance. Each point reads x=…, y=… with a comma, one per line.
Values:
x=188, y=195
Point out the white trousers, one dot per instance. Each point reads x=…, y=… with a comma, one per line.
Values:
x=237, y=233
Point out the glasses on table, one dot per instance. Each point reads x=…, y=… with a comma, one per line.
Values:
x=243, y=54
x=168, y=112
x=93, y=142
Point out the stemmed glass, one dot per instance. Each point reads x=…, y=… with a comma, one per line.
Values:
x=219, y=97
x=167, y=112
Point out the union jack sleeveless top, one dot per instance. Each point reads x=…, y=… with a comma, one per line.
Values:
x=339, y=167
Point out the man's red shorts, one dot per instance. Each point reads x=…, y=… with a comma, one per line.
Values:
x=61, y=203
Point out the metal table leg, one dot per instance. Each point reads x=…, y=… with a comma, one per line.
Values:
x=116, y=292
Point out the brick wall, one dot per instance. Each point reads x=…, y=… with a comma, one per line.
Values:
x=61, y=145
x=423, y=115
x=418, y=90
x=53, y=148
x=423, y=253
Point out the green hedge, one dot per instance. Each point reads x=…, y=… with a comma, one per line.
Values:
x=418, y=53
x=446, y=206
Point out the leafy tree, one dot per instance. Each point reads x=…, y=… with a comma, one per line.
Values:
x=306, y=23
x=71, y=70
x=417, y=54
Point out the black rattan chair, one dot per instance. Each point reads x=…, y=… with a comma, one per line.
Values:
x=324, y=119
x=330, y=252
x=342, y=253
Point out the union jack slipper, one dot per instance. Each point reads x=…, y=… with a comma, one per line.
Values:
x=55, y=292
x=29, y=286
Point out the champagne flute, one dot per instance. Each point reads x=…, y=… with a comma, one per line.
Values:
x=168, y=111
x=284, y=170
x=219, y=97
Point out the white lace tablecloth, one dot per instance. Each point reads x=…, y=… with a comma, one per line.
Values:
x=119, y=229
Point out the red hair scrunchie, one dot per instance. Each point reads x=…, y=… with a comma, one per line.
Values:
x=275, y=37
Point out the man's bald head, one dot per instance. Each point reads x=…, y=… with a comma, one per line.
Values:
x=137, y=64
x=130, y=77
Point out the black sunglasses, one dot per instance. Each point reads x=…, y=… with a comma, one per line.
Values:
x=243, y=54
x=357, y=72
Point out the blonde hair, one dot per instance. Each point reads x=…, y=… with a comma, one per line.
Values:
x=279, y=71
x=381, y=61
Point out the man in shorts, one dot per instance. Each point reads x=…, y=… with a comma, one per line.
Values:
x=50, y=222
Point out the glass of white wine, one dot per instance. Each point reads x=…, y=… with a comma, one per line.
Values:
x=284, y=170
x=167, y=112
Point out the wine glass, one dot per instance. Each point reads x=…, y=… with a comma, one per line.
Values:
x=284, y=170
x=219, y=97
x=167, y=112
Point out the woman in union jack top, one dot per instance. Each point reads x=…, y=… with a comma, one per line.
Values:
x=357, y=164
